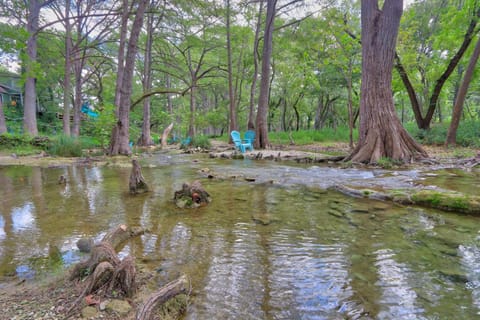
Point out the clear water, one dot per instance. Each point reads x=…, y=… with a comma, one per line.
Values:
x=281, y=247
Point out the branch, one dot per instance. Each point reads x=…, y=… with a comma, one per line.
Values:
x=155, y=92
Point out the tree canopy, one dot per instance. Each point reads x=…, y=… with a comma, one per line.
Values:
x=212, y=66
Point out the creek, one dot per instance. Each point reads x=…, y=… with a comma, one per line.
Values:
x=279, y=246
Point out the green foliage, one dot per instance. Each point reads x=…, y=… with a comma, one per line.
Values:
x=304, y=137
x=8, y=140
x=64, y=146
x=101, y=127
x=201, y=141
x=21, y=145
x=468, y=134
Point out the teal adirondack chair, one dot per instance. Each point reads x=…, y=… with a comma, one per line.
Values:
x=242, y=146
x=249, y=137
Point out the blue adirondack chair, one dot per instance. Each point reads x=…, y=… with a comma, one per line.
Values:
x=186, y=142
x=239, y=144
x=249, y=137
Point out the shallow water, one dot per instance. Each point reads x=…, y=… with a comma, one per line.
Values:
x=281, y=247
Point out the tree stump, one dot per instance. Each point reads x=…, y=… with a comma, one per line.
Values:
x=137, y=183
x=105, y=272
x=191, y=196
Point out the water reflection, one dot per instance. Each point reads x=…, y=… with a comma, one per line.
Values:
x=470, y=255
x=398, y=297
x=288, y=250
x=23, y=219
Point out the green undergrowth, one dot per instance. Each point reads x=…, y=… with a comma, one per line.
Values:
x=468, y=133
x=304, y=137
x=20, y=145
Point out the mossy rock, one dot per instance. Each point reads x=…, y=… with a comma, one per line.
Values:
x=448, y=201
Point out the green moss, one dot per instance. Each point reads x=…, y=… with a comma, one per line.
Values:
x=174, y=308
x=450, y=201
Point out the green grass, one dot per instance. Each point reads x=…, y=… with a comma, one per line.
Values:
x=201, y=141
x=64, y=146
x=303, y=137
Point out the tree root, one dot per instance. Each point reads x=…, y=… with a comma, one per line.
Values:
x=105, y=272
x=170, y=290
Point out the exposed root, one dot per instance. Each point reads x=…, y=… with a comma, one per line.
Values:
x=104, y=270
x=170, y=290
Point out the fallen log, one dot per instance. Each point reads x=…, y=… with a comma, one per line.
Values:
x=170, y=290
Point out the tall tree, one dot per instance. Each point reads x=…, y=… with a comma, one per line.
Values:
x=261, y=123
x=3, y=124
x=253, y=88
x=461, y=95
x=146, y=138
x=381, y=134
x=120, y=134
x=231, y=97
x=30, y=102
x=427, y=19
x=68, y=66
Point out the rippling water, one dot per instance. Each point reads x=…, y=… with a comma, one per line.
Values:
x=279, y=248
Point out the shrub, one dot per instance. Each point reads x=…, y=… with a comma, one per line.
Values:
x=201, y=142
x=64, y=146
x=8, y=140
x=468, y=133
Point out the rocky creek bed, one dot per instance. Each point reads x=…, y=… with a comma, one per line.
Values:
x=49, y=298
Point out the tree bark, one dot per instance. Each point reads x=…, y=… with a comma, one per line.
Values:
x=231, y=97
x=170, y=290
x=137, y=182
x=104, y=268
x=461, y=95
x=193, y=108
x=165, y=134
x=145, y=138
x=120, y=133
x=117, y=236
x=261, y=141
x=67, y=70
x=121, y=54
x=30, y=103
x=105, y=250
x=253, y=88
x=3, y=124
x=381, y=134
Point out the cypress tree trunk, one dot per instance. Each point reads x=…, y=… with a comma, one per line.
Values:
x=120, y=134
x=381, y=133
x=262, y=124
x=460, y=99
